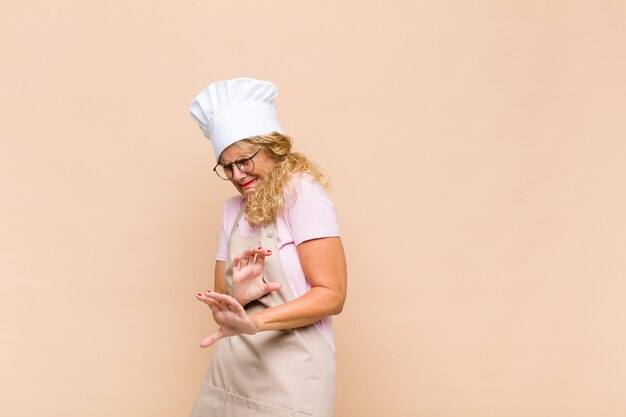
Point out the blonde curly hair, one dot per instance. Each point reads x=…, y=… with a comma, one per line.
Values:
x=268, y=200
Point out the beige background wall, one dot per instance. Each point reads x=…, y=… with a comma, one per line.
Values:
x=477, y=153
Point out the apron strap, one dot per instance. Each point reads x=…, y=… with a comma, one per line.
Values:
x=239, y=215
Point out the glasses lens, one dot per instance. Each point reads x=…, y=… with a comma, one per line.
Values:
x=224, y=172
x=245, y=164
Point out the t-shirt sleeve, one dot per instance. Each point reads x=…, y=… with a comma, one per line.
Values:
x=312, y=215
x=229, y=214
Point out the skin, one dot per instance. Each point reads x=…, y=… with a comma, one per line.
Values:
x=245, y=183
x=322, y=260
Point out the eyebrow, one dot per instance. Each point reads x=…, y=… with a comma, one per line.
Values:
x=224, y=164
x=240, y=156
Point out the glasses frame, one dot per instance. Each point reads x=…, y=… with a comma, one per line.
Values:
x=238, y=162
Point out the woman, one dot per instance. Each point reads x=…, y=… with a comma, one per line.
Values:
x=280, y=271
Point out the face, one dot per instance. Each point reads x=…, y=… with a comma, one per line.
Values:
x=244, y=182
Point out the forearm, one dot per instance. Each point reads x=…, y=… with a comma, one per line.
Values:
x=314, y=305
x=219, y=281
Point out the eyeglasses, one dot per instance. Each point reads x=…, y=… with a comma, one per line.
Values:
x=244, y=163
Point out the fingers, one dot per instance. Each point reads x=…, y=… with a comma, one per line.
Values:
x=272, y=286
x=229, y=314
x=215, y=305
x=220, y=302
x=226, y=302
x=208, y=341
x=268, y=287
x=251, y=255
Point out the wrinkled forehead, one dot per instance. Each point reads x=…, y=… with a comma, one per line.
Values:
x=236, y=150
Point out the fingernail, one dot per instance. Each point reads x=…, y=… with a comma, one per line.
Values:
x=199, y=295
x=208, y=290
x=259, y=248
x=269, y=251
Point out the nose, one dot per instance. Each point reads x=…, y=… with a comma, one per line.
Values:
x=238, y=173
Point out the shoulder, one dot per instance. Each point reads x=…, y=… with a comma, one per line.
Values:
x=304, y=186
x=231, y=208
x=309, y=211
x=233, y=202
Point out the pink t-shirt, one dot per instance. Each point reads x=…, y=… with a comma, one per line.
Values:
x=312, y=215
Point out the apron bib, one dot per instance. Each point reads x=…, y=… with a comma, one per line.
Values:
x=272, y=373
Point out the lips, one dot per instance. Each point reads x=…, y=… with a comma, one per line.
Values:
x=246, y=185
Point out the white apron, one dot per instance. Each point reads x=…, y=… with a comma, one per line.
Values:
x=272, y=373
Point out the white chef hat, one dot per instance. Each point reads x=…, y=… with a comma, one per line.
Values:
x=231, y=110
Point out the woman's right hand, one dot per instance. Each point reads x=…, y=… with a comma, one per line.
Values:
x=248, y=281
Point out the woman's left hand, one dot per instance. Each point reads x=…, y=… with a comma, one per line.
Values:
x=248, y=282
x=229, y=314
